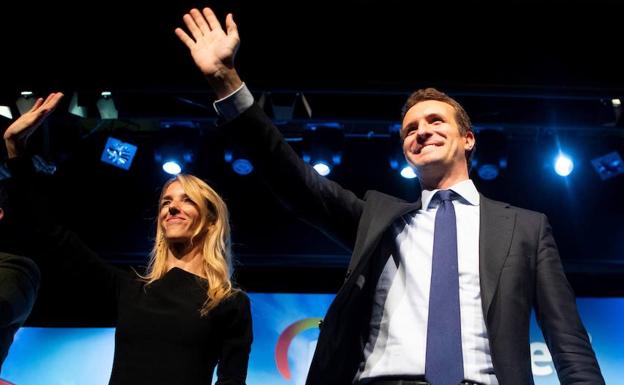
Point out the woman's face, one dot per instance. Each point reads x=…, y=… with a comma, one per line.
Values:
x=179, y=215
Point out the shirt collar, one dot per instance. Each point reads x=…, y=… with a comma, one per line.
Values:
x=465, y=189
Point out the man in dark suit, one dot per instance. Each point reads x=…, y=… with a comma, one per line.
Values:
x=19, y=282
x=19, y=276
x=437, y=291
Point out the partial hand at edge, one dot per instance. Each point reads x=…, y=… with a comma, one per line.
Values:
x=17, y=134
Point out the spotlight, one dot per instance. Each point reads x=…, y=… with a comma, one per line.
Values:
x=118, y=153
x=173, y=158
x=241, y=166
x=609, y=165
x=322, y=168
x=5, y=111
x=176, y=143
x=25, y=101
x=398, y=163
x=320, y=163
x=322, y=145
x=563, y=165
x=487, y=171
x=407, y=172
x=75, y=108
x=617, y=110
x=172, y=167
x=106, y=106
x=285, y=106
x=491, y=158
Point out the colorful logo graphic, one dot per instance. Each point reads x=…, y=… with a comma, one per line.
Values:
x=5, y=382
x=284, y=340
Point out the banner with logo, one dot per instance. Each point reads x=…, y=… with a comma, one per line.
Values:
x=285, y=334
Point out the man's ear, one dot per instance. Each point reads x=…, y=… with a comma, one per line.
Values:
x=1, y=213
x=470, y=141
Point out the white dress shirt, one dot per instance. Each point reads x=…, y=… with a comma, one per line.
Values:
x=398, y=329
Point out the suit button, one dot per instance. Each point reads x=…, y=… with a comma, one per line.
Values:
x=348, y=274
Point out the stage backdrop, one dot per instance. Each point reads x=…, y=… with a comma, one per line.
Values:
x=285, y=333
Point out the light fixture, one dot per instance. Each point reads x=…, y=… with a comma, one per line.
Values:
x=118, y=153
x=491, y=158
x=25, y=101
x=322, y=146
x=5, y=111
x=172, y=167
x=173, y=157
x=240, y=164
x=75, y=108
x=608, y=165
x=284, y=107
x=106, y=106
x=563, y=165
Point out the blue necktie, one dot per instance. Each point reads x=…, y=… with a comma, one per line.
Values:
x=443, y=362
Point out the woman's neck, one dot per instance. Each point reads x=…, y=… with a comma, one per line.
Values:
x=186, y=258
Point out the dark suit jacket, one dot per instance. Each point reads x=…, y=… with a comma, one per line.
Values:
x=519, y=268
x=19, y=282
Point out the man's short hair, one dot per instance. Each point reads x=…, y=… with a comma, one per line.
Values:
x=461, y=116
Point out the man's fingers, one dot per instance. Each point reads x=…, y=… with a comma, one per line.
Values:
x=184, y=37
x=199, y=19
x=52, y=101
x=211, y=19
x=230, y=25
x=37, y=104
x=192, y=26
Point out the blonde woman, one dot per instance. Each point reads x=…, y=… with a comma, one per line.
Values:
x=183, y=317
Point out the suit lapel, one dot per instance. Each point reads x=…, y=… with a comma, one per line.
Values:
x=386, y=211
x=391, y=213
x=496, y=229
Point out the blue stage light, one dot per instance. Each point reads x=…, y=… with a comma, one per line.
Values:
x=488, y=171
x=172, y=167
x=563, y=165
x=242, y=166
x=118, y=153
x=322, y=168
x=609, y=165
x=408, y=173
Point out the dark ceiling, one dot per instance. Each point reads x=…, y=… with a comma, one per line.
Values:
x=368, y=45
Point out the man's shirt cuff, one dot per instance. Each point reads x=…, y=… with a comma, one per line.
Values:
x=234, y=104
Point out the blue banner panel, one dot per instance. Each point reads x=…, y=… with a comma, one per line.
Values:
x=285, y=334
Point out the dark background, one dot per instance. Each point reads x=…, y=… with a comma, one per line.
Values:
x=542, y=74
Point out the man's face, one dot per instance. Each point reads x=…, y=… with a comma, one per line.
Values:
x=432, y=139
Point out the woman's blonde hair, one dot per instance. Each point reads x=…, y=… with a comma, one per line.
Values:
x=213, y=231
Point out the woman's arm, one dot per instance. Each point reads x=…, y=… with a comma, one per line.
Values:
x=234, y=355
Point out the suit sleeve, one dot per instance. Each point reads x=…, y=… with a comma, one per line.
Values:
x=315, y=199
x=19, y=282
x=558, y=317
x=238, y=335
x=70, y=256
